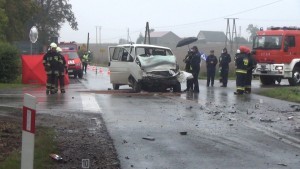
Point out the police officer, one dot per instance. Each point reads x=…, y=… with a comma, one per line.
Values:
x=241, y=63
x=224, y=61
x=85, y=59
x=48, y=65
x=187, y=60
x=195, y=65
x=61, y=71
x=251, y=66
x=211, y=62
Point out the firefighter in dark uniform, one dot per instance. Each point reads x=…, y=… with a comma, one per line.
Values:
x=48, y=65
x=61, y=71
x=195, y=65
x=224, y=61
x=241, y=63
x=187, y=61
x=211, y=62
x=251, y=66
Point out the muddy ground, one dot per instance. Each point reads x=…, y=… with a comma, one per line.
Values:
x=77, y=139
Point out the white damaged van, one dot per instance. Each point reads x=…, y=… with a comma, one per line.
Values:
x=143, y=67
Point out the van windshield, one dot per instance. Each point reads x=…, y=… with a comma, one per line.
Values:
x=267, y=42
x=150, y=51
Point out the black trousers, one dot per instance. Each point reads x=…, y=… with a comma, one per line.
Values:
x=211, y=72
x=49, y=82
x=84, y=66
x=189, y=84
x=195, y=80
x=224, y=76
x=60, y=80
x=248, y=81
x=240, y=82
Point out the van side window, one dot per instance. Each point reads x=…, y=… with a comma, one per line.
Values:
x=291, y=41
x=116, y=54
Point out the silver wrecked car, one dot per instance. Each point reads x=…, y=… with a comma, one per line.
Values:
x=143, y=67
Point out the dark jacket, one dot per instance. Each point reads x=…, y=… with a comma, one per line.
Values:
x=224, y=60
x=242, y=63
x=195, y=61
x=211, y=62
x=48, y=61
x=62, y=64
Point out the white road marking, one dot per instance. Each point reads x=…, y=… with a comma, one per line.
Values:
x=89, y=103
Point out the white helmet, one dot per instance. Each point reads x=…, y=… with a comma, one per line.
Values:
x=58, y=49
x=53, y=45
x=238, y=51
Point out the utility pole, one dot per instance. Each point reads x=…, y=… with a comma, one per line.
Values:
x=231, y=33
x=147, y=34
x=96, y=34
x=128, y=35
x=88, y=42
x=100, y=27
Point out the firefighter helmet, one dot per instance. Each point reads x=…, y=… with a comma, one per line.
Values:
x=53, y=45
x=58, y=49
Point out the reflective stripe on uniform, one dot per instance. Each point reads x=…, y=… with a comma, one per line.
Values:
x=240, y=71
x=240, y=88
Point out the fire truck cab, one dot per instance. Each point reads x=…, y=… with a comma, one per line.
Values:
x=74, y=62
x=277, y=53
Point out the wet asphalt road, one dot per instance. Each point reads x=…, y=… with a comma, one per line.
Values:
x=223, y=130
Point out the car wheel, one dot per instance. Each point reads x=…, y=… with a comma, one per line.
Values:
x=116, y=86
x=137, y=87
x=267, y=80
x=295, y=80
x=177, y=87
x=80, y=74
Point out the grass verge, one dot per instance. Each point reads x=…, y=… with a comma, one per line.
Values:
x=285, y=93
x=44, y=145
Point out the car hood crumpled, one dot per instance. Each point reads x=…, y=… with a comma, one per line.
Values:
x=158, y=63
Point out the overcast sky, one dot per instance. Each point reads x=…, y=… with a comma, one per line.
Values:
x=183, y=17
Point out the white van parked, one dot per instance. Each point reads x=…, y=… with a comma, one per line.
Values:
x=143, y=67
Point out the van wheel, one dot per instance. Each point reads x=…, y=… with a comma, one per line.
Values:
x=136, y=87
x=177, y=87
x=267, y=80
x=116, y=86
x=295, y=80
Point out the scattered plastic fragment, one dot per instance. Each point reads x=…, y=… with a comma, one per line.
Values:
x=149, y=138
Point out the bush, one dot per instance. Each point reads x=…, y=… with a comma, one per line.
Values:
x=9, y=63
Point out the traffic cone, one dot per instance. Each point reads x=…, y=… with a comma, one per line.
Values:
x=108, y=72
x=101, y=70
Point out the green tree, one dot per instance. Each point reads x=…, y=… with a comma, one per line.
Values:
x=3, y=20
x=19, y=13
x=252, y=30
x=51, y=15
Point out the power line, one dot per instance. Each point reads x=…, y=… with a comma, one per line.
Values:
x=212, y=19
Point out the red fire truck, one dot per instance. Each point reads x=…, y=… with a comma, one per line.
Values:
x=74, y=62
x=277, y=52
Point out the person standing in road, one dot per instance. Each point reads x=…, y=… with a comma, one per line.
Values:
x=224, y=61
x=187, y=61
x=48, y=65
x=211, y=62
x=195, y=65
x=61, y=71
x=85, y=60
x=251, y=66
x=241, y=63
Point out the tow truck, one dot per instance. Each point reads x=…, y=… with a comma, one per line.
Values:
x=70, y=49
x=277, y=53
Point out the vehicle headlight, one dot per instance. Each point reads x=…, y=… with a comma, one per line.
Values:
x=279, y=68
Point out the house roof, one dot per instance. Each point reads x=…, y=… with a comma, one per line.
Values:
x=158, y=34
x=212, y=36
